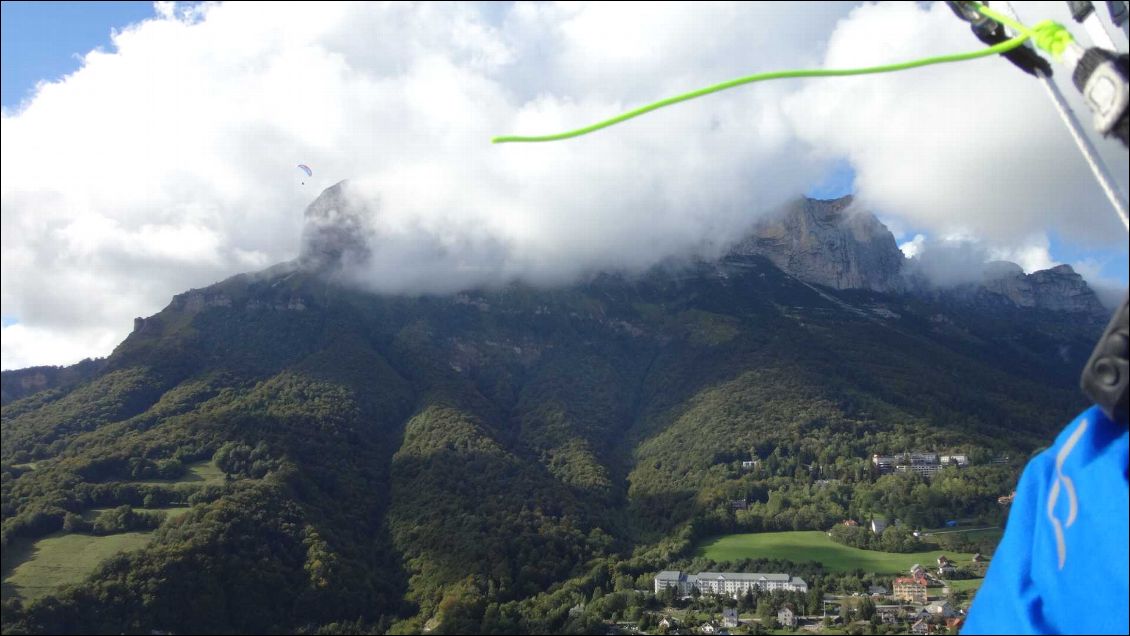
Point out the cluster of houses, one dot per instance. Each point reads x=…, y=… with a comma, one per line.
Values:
x=909, y=593
x=928, y=464
x=924, y=619
x=912, y=589
x=732, y=584
x=787, y=617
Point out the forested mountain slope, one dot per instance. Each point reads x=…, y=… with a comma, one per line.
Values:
x=470, y=462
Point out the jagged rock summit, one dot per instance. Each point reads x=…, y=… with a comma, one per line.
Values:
x=830, y=244
x=1057, y=289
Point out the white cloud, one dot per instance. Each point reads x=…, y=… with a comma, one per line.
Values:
x=26, y=346
x=1110, y=290
x=913, y=247
x=974, y=147
x=1031, y=256
x=168, y=162
x=960, y=258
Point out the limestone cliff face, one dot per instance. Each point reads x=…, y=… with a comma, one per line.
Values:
x=1057, y=289
x=824, y=242
x=828, y=243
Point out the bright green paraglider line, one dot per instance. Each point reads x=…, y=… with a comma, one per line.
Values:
x=761, y=77
x=1047, y=34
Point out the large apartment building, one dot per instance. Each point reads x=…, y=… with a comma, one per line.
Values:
x=910, y=589
x=928, y=464
x=727, y=583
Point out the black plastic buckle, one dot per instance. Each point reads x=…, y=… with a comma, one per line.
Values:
x=1107, y=374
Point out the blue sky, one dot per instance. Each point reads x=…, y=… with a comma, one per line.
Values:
x=837, y=182
x=44, y=40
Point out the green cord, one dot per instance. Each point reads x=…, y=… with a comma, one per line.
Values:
x=1007, y=45
x=1048, y=35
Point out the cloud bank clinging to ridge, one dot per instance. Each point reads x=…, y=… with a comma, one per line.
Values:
x=168, y=162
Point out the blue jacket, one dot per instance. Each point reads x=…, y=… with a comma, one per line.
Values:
x=1062, y=565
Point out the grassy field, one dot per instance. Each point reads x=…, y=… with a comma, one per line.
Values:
x=33, y=569
x=171, y=513
x=816, y=546
x=199, y=473
x=970, y=535
x=967, y=585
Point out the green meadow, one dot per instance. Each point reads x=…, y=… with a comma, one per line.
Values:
x=33, y=569
x=199, y=473
x=813, y=545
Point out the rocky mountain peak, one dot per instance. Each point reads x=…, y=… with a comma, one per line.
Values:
x=1058, y=289
x=835, y=244
x=829, y=243
x=337, y=229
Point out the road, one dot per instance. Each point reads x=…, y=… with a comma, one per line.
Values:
x=930, y=534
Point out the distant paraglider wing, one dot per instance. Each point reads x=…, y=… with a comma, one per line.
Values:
x=305, y=168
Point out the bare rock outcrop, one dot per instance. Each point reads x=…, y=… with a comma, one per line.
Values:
x=828, y=243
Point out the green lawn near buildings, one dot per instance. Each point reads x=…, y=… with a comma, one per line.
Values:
x=966, y=585
x=814, y=545
x=33, y=569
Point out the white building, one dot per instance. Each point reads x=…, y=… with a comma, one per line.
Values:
x=922, y=469
x=958, y=460
x=671, y=579
x=727, y=583
x=884, y=463
x=923, y=463
x=941, y=609
x=787, y=617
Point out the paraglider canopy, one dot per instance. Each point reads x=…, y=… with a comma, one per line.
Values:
x=305, y=168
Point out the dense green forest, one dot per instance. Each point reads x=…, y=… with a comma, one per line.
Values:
x=490, y=461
